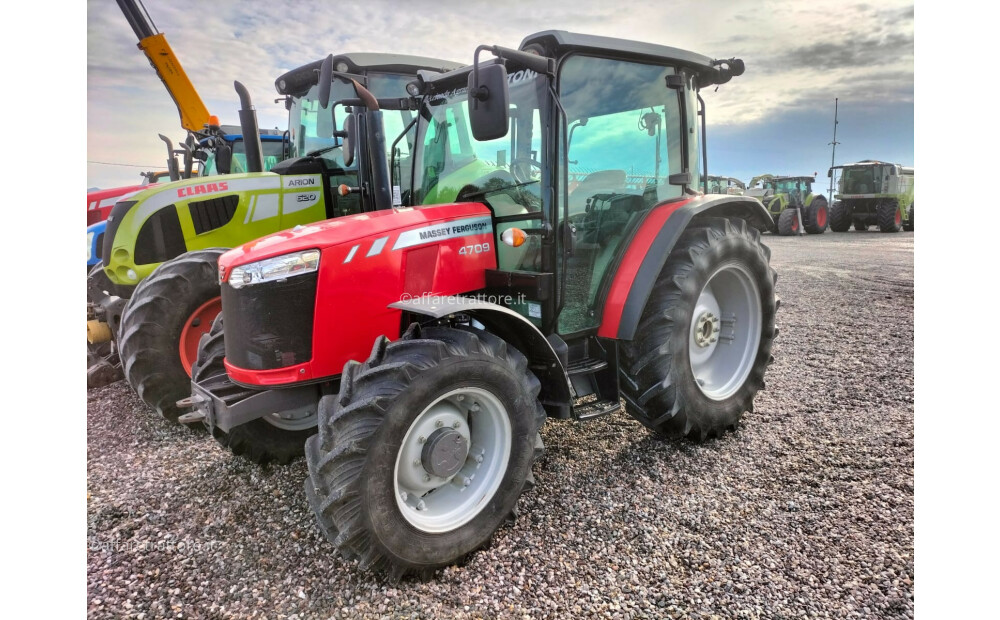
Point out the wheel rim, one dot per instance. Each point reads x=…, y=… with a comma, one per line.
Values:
x=821, y=217
x=899, y=216
x=200, y=322
x=452, y=459
x=795, y=223
x=725, y=331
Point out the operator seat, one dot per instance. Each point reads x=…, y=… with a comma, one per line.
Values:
x=602, y=181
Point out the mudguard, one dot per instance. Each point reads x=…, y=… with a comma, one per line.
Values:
x=648, y=251
x=510, y=326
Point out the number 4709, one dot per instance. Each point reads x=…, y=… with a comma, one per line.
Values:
x=478, y=248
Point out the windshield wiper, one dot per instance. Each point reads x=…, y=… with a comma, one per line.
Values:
x=494, y=190
x=325, y=149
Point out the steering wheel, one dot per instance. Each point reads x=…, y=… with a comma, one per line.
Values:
x=520, y=163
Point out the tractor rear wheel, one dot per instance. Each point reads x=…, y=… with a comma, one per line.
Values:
x=704, y=338
x=788, y=222
x=815, y=216
x=840, y=217
x=162, y=326
x=276, y=437
x=908, y=224
x=890, y=216
x=426, y=450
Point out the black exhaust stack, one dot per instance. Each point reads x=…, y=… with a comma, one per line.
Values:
x=175, y=174
x=250, y=129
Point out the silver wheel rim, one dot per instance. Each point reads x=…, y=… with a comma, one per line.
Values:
x=440, y=503
x=725, y=331
x=295, y=420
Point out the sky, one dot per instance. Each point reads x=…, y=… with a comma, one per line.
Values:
x=776, y=118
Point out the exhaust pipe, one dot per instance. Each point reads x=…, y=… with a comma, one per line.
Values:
x=175, y=174
x=250, y=129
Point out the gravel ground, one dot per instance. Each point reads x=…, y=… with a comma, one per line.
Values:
x=806, y=511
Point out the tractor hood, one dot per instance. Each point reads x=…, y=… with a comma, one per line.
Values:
x=394, y=229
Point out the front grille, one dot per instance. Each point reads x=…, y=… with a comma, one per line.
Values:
x=114, y=221
x=270, y=325
x=160, y=238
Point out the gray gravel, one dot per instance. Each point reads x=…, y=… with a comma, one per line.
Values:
x=805, y=512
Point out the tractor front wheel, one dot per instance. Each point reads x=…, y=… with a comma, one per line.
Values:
x=890, y=216
x=279, y=436
x=163, y=324
x=788, y=222
x=426, y=450
x=840, y=217
x=815, y=216
x=704, y=338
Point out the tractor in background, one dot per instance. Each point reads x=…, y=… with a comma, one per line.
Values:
x=421, y=348
x=792, y=204
x=725, y=185
x=873, y=192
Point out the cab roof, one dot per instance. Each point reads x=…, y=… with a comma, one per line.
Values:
x=299, y=81
x=561, y=42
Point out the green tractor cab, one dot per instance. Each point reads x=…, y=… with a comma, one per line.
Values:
x=873, y=192
x=791, y=202
x=729, y=186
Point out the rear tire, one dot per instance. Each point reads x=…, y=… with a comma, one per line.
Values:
x=816, y=216
x=362, y=472
x=788, y=222
x=840, y=217
x=659, y=369
x=153, y=321
x=890, y=216
x=259, y=440
x=908, y=224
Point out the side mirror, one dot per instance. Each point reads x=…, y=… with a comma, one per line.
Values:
x=325, y=79
x=829, y=173
x=223, y=157
x=348, y=145
x=489, y=102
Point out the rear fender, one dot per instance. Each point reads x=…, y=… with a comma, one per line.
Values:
x=647, y=254
x=513, y=328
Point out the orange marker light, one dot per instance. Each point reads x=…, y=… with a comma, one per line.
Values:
x=514, y=237
x=213, y=120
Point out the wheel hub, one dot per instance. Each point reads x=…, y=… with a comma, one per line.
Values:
x=444, y=453
x=706, y=330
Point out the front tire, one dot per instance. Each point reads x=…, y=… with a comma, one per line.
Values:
x=425, y=451
x=815, y=216
x=840, y=217
x=890, y=216
x=274, y=437
x=162, y=325
x=788, y=222
x=706, y=333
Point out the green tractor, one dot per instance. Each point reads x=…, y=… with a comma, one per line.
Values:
x=791, y=202
x=870, y=193
x=157, y=289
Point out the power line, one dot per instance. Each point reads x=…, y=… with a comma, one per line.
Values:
x=108, y=163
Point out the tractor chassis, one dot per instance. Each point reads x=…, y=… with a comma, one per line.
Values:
x=218, y=402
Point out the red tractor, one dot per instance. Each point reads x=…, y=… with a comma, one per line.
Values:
x=494, y=297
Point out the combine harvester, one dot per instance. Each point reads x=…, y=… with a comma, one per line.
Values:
x=873, y=192
x=494, y=298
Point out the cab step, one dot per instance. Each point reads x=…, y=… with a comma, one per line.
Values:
x=586, y=366
x=595, y=409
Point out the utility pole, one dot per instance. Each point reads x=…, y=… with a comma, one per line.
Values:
x=833, y=157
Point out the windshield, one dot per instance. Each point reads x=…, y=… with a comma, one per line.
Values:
x=311, y=128
x=858, y=180
x=451, y=164
x=789, y=186
x=271, y=151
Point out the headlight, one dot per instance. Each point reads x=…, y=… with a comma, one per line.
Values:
x=90, y=246
x=276, y=268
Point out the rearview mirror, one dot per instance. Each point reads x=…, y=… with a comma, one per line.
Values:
x=829, y=173
x=348, y=145
x=489, y=102
x=325, y=78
